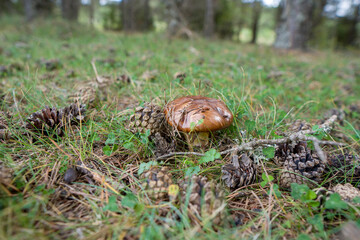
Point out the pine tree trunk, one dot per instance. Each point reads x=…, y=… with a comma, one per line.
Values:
x=6, y=6
x=29, y=9
x=209, y=19
x=91, y=12
x=147, y=16
x=295, y=24
x=70, y=9
x=354, y=21
x=127, y=13
x=255, y=21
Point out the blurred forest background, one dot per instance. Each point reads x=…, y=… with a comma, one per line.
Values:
x=295, y=24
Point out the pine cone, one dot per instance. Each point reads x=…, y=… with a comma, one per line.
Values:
x=346, y=165
x=347, y=191
x=162, y=145
x=283, y=150
x=51, y=120
x=150, y=117
x=4, y=132
x=205, y=198
x=239, y=173
x=6, y=174
x=300, y=125
x=85, y=94
x=300, y=165
x=157, y=183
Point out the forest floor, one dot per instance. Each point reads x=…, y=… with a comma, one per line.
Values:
x=48, y=63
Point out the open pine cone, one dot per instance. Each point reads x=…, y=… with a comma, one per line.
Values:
x=299, y=125
x=85, y=94
x=300, y=164
x=149, y=117
x=51, y=120
x=239, y=173
x=157, y=182
x=205, y=198
x=4, y=131
x=6, y=174
x=345, y=165
x=162, y=144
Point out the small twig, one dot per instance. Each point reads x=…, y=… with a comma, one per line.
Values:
x=98, y=78
x=294, y=137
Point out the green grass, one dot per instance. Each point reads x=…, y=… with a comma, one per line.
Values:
x=311, y=84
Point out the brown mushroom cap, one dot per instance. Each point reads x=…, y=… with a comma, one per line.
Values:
x=181, y=112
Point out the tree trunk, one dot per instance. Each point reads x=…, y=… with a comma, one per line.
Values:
x=29, y=8
x=209, y=19
x=147, y=16
x=6, y=6
x=92, y=4
x=354, y=21
x=295, y=24
x=255, y=21
x=70, y=9
x=176, y=21
x=127, y=15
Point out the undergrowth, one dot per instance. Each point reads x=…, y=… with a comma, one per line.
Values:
x=265, y=89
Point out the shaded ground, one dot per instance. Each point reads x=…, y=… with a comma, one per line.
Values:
x=265, y=89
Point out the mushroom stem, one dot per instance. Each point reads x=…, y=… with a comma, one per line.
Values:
x=197, y=139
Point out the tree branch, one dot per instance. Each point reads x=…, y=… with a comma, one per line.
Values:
x=293, y=137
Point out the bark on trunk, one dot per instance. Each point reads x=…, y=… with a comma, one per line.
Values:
x=295, y=24
x=92, y=6
x=5, y=6
x=70, y=9
x=354, y=21
x=255, y=21
x=147, y=16
x=29, y=8
x=209, y=19
x=127, y=15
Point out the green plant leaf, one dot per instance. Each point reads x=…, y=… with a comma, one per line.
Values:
x=210, y=156
x=192, y=171
x=317, y=221
x=129, y=200
x=111, y=205
x=108, y=150
x=266, y=179
x=145, y=166
x=335, y=202
x=297, y=190
x=144, y=137
x=111, y=139
x=303, y=236
x=129, y=146
x=276, y=190
x=269, y=152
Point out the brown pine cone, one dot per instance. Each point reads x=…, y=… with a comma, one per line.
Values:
x=85, y=94
x=300, y=125
x=157, y=182
x=239, y=173
x=345, y=165
x=162, y=145
x=4, y=131
x=6, y=174
x=51, y=120
x=300, y=165
x=205, y=198
x=150, y=117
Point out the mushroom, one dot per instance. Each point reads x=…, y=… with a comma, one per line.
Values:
x=197, y=116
